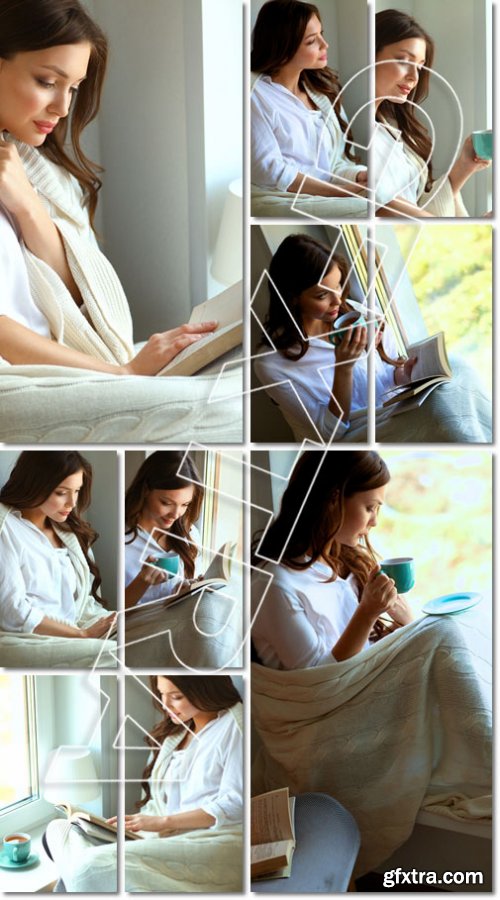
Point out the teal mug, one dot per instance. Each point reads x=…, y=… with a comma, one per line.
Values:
x=169, y=564
x=17, y=846
x=402, y=571
x=347, y=320
x=483, y=144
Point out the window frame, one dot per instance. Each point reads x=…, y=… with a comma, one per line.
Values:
x=26, y=814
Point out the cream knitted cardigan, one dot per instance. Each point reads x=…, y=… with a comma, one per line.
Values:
x=105, y=330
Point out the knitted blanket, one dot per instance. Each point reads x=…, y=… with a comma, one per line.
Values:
x=404, y=724
x=45, y=404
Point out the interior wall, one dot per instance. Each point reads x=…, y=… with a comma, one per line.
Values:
x=102, y=513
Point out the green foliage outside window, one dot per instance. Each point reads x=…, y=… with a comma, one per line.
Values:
x=451, y=271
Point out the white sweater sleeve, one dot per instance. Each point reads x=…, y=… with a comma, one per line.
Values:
x=17, y=613
x=227, y=806
x=269, y=170
x=301, y=410
x=283, y=632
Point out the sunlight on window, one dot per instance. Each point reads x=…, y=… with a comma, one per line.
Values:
x=451, y=272
x=438, y=509
x=15, y=785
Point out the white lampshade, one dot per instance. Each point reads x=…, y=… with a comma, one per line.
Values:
x=227, y=261
x=71, y=776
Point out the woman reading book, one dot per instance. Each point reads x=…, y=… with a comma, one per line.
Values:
x=62, y=304
x=349, y=696
x=190, y=815
x=49, y=586
x=162, y=505
x=308, y=291
x=300, y=139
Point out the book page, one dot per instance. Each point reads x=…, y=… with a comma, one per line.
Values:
x=226, y=307
x=270, y=817
x=220, y=564
x=431, y=356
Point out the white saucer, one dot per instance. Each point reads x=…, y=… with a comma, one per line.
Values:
x=451, y=603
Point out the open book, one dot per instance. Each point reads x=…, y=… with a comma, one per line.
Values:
x=432, y=368
x=94, y=826
x=272, y=834
x=216, y=576
x=227, y=309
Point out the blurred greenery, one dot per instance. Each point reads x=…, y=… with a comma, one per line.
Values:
x=438, y=509
x=451, y=272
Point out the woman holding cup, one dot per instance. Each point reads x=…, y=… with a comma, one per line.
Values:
x=327, y=592
x=402, y=146
x=318, y=374
x=161, y=540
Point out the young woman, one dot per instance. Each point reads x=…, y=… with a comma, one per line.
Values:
x=192, y=798
x=387, y=723
x=161, y=506
x=299, y=132
x=49, y=583
x=315, y=383
x=402, y=164
x=327, y=592
x=62, y=304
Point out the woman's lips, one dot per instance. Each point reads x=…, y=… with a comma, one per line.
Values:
x=45, y=127
x=404, y=89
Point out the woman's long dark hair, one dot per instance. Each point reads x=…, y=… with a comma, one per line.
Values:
x=276, y=37
x=312, y=512
x=29, y=25
x=167, y=470
x=35, y=475
x=299, y=264
x=392, y=26
x=210, y=693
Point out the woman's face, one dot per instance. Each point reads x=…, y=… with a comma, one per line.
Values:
x=178, y=707
x=163, y=507
x=321, y=303
x=360, y=515
x=63, y=499
x=36, y=89
x=312, y=51
x=395, y=80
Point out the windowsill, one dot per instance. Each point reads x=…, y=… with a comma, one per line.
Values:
x=36, y=879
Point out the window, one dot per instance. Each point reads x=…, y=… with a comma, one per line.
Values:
x=22, y=750
x=17, y=746
x=439, y=278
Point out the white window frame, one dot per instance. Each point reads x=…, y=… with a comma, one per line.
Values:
x=35, y=809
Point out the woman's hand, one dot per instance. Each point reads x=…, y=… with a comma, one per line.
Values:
x=362, y=178
x=379, y=595
x=149, y=575
x=161, y=348
x=467, y=164
x=402, y=374
x=400, y=611
x=352, y=345
x=99, y=628
x=16, y=192
x=138, y=822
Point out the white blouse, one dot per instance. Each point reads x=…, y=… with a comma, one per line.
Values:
x=288, y=138
x=395, y=173
x=302, y=388
x=145, y=545
x=207, y=775
x=16, y=301
x=36, y=578
x=302, y=615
